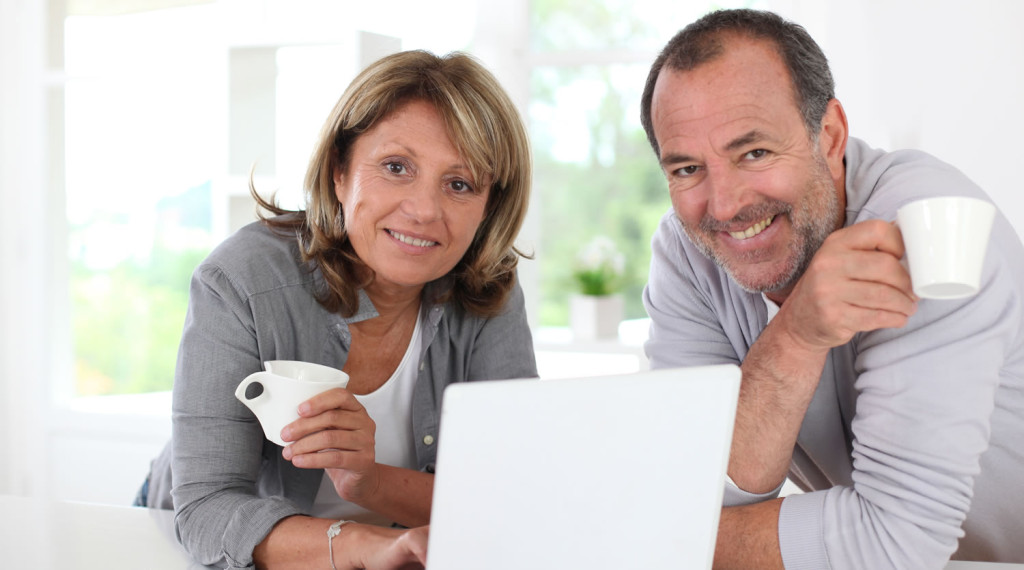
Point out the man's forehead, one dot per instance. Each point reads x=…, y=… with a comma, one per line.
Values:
x=725, y=127
x=726, y=98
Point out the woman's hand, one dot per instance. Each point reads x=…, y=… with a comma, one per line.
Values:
x=335, y=433
x=378, y=548
x=298, y=542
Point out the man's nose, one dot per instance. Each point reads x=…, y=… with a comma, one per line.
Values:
x=727, y=192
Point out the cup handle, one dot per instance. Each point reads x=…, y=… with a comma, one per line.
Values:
x=243, y=387
x=904, y=262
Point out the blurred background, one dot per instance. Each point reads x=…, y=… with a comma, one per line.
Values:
x=128, y=130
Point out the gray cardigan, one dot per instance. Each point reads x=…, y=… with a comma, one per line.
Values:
x=912, y=446
x=251, y=301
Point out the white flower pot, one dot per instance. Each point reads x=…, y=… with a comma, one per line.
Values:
x=593, y=317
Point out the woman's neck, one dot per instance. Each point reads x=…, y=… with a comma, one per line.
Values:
x=394, y=307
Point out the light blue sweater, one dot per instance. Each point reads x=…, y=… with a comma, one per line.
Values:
x=913, y=446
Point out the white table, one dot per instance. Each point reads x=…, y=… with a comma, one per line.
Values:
x=45, y=535
x=37, y=533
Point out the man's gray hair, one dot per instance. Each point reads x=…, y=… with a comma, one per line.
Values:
x=702, y=41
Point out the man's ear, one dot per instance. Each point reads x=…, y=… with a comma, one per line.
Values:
x=832, y=139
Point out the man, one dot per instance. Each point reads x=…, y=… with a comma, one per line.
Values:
x=903, y=418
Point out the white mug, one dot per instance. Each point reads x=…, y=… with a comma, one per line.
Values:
x=945, y=240
x=276, y=394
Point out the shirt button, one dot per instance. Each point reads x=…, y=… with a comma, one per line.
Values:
x=428, y=439
x=422, y=364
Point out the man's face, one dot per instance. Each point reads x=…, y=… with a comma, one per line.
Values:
x=754, y=192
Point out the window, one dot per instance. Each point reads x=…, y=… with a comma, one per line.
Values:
x=154, y=118
x=142, y=152
x=595, y=171
x=160, y=139
x=153, y=145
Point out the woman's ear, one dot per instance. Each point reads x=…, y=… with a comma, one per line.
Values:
x=339, y=183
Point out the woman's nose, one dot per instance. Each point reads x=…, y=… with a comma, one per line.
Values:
x=422, y=202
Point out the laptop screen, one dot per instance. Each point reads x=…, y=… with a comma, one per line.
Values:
x=609, y=472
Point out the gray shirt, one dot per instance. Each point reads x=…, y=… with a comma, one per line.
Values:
x=911, y=448
x=251, y=301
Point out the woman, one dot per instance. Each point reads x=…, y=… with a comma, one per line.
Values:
x=401, y=272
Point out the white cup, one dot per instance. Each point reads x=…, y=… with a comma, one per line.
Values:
x=274, y=396
x=945, y=240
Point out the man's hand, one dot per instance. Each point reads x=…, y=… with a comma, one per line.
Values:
x=854, y=283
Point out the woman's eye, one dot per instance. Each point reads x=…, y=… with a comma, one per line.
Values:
x=396, y=168
x=460, y=186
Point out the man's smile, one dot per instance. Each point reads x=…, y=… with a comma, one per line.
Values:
x=754, y=229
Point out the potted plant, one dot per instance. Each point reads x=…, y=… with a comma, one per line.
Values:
x=596, y=309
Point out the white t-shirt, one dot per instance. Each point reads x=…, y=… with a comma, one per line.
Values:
x=773, y=309
x=390, y=407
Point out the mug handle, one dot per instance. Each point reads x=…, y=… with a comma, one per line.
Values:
x=253, y=379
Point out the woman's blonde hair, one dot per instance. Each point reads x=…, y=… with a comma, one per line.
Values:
x=485, y=128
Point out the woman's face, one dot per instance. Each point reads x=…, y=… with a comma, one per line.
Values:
x=411, y=207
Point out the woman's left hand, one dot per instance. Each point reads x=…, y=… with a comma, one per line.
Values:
x=335, y=433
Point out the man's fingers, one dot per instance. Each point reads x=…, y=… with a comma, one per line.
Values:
x=870, y=235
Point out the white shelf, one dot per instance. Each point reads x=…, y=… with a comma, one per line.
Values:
x=559, y=355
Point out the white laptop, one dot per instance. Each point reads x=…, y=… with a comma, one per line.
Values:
x=594, y=473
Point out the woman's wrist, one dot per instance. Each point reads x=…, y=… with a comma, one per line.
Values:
x=332, y=532
x=367, y=493
x=357, y=544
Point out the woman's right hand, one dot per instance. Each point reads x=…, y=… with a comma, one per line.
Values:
x=379, y=548
x=335, y=433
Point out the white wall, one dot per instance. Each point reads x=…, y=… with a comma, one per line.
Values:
x=943, y=76
x=24, y=244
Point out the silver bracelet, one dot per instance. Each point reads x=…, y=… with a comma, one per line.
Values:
x=333, y=531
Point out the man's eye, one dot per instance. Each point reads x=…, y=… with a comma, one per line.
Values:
x=687, y=170
x=757, y=153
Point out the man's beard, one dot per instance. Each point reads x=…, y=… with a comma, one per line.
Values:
x=812, y=220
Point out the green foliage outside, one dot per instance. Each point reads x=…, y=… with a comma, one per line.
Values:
x=624, y=202
x=129, y=292
x=619, y=192
x=128, y=320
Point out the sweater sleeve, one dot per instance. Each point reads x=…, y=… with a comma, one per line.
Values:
x=219, y=517
x=697, y=316
x=503, y=347
x=925, y=396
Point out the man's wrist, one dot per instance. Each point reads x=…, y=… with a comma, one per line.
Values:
x=737, y=495
x=784, y=337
